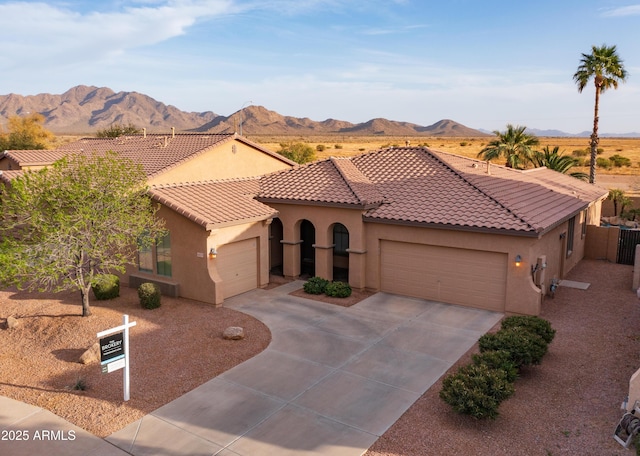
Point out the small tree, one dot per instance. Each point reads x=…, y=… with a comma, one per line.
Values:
x=26, y=133
x=619, y=198
x=298, y=152
x=64, y=225
x=117, y=130
x=514, y=145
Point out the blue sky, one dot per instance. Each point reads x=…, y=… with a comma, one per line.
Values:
x=483, y=63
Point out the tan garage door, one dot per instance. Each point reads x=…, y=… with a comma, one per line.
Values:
x=238, y=267
x=457, y=276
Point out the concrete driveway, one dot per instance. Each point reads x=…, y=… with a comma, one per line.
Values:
x=331, y=382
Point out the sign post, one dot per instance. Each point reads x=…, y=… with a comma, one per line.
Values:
x=114, y=351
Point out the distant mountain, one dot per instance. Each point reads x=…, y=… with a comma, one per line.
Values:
x=86, y=109
x=562, y=134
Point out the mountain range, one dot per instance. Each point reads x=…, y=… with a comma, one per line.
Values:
x=87, y=109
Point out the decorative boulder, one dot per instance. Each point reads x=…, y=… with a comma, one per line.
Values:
x=91, y=355
x=233, y=333
x=12, y=322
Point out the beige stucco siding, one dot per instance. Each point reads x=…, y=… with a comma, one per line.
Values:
x=521, y=295
x=232, y=159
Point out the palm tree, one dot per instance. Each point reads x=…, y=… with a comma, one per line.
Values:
x=553, y=159
x=514, y=145
x=606, y=68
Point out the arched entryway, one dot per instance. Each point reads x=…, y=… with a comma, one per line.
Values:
x=340, y=252
x=307, y=250
x=276, y=253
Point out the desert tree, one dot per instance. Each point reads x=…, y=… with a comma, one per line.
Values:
x=555, y=160
x=26, y=133
x=606, y=69
x=117, y=130
x=514, y=145
x=63, y=225
x=298, y=152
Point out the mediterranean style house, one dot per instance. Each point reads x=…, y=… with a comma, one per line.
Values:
x=410, y=220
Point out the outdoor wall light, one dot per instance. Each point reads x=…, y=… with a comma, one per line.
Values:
x=213, y=253
x=518, y=260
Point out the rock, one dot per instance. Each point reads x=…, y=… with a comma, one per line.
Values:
x=233, y=333
x=12, y=322
x=91, y=355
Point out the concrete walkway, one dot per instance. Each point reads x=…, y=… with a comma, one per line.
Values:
x=331, y=382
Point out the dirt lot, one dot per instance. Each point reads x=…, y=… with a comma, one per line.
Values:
x=173, y=349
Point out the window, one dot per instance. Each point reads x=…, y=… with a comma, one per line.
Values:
x=570, y=232
x=145, y=254
x=340, y=239
x=145, y=259
x=163, y=255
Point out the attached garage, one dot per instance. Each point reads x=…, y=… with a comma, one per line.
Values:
x=237, y=265
x=473, y=278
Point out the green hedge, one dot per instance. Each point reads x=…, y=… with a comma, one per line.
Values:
x=105, y=286
x=525, y=348
x=338, y=289
x=476, y=390
x=149, y=294
x=315, y=285
x=533, y=324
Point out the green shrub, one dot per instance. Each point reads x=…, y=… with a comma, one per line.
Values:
x=580, y=152
x=149, y=294
x=105, y=286
x=603, y=163
x=338, y=146
x=463, y=143
x=315, y=285
x=524, y=347
x=599, y=150
x=476, y=390
x=338, y=290
x=298, y=152
x=619, y=161
x=498, y=359
x=320, y=147
x=536, y=325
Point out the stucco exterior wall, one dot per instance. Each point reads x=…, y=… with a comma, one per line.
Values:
x=228, y=235
x=323, y=219
x=232, y=159
x=602, y=243
x=522, y=296
x=196, y=275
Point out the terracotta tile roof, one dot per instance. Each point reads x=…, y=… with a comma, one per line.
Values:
x=215, y=204
x=8, y=176
x=318, y=182
x=425, y=187
x=156, y=153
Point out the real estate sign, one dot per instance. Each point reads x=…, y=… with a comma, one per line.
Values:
x=114, y=351
x=111, y=348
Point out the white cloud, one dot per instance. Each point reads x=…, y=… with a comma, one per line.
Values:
x=37, y=32
x=630, y=10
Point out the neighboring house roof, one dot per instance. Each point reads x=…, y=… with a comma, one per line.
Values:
x=215, y=204
x=8, y=176
x=156, y=153
x=417, y=185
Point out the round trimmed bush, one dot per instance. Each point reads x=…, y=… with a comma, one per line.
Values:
x=149, y=294
x=524, y=347
x=105, y=286
x=498, y=359
x=315, y=285
x=536, y=325
x=338, y=290
x=476, y=390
